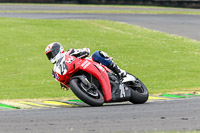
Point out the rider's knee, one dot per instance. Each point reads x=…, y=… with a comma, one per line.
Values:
x=101, y=57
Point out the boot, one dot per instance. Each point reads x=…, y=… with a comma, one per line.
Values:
x=120, y=72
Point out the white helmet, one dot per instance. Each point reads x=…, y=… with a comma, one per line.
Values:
x=54, y=52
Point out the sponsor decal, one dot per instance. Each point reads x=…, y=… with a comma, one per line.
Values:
x=85, y=64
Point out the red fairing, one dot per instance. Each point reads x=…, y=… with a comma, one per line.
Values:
x=75, y=64
x=99, y=72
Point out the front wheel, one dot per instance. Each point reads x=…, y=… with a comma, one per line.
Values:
x=91, y=96
x=139, y=92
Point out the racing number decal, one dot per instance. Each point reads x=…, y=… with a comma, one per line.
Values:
x=63, y=68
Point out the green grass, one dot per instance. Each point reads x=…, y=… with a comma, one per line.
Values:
x=165, y=63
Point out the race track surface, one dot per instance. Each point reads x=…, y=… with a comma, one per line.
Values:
x=183, y=25
x=171, y=115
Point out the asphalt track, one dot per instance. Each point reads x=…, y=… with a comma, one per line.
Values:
x=183, y=25
x=171, y=115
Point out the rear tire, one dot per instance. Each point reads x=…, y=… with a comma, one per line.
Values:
x=140, y=94
x=78, y=90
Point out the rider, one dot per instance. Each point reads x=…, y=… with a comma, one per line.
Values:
x=55, y=52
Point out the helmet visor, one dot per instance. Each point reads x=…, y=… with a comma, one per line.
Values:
x=54, y=52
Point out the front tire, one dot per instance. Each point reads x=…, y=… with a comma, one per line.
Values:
x=94, y=98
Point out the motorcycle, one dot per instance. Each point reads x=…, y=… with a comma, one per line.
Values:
x=95, y=84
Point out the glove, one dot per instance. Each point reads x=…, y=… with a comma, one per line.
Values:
x=80, y=53
x=64, y=87
x=87, y=50
x=75, y=52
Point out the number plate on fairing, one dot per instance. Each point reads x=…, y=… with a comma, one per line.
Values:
x=61, y=67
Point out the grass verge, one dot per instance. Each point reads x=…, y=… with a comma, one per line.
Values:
x=165, y=63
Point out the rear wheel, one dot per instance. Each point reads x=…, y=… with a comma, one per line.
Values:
x=88, y=94
x=139, y=92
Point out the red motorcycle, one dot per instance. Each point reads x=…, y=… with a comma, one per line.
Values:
x=95, y=84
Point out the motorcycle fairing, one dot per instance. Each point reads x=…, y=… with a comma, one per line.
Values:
x=98, y=72
x=74, y=65
x=120, y=92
